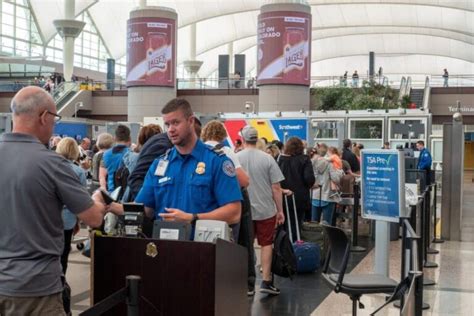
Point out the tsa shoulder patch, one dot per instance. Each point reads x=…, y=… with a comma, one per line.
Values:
x=228, y=168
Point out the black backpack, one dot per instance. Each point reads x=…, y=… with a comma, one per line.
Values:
x=121, y=179
x=284, y=259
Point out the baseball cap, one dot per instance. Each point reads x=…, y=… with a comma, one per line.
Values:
x=249, y=134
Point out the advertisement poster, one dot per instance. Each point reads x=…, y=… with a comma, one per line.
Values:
x=279, y=129
x=381, y=181
x=151, y=52
x=284, y=48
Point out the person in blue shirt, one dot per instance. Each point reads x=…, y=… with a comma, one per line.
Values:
x=190, y=181
x=424, y=160
x=112, y=158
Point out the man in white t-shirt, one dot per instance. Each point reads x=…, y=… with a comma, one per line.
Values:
x=266, y=200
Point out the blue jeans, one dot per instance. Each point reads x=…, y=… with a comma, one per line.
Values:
x=327, y=210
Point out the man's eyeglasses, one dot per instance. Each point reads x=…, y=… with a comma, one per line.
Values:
x=57, y=117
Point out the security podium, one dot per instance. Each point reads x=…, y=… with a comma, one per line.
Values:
x=178, y=277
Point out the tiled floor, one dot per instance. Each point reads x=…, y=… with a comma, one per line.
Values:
x=309, y=294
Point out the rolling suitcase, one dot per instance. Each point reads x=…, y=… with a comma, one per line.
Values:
x=308, y=255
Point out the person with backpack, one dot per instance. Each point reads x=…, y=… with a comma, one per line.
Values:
x=323, y=199
x=214, y=134
x=113, y=160
x=104, y=142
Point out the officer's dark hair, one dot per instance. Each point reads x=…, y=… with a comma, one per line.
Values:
x=178, y=104
x=420, y=142
x=122, y=133
x=347, y=143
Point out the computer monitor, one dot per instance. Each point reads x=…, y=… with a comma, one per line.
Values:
x=410, y=162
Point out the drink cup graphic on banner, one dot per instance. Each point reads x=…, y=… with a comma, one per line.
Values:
x=284, y=48
x=156, y=55
x=294, y=54
x=151, y=52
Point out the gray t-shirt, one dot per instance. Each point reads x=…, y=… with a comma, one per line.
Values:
x=35, y=184
x=263, y=171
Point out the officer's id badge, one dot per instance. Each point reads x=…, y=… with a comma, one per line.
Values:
x=161, y=168
x=228, y=168
x=201, y=168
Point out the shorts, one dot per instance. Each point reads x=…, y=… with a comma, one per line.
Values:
x=264, y=230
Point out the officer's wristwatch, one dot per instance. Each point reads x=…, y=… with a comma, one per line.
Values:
x=194, y=219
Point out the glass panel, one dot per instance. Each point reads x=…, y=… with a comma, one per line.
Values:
x=7, y=30
x=7, y=19
x=17, y=67
x=325, y=129
x=437, y=150
x=405, y=129
x=36, y=50
x=366, y=129
x=8, y=8
x=23, y=34
x=23, y=46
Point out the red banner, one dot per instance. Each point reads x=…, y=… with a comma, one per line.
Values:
x=151, y=52
x=284, y=48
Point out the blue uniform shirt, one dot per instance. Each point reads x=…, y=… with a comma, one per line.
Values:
x=424, y=161
x=186, y=186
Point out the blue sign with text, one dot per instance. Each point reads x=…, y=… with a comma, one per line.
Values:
x=291, y=127
x=381, y=180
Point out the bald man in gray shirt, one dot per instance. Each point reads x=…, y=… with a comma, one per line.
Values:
x=35, y=184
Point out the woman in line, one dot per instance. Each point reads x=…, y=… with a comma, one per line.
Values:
x=299, y=178
x=323, y=200
x=69, y=149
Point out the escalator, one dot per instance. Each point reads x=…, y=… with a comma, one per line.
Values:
x=64, y=93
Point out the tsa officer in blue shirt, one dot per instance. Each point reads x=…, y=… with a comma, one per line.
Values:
x=191, y=181
x=424, y=160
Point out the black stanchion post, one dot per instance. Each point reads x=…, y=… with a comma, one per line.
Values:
x=426, y=233
x=432, y=219
x=355, y=221
x=435, y=228
x=133, y=295
x=419, y=304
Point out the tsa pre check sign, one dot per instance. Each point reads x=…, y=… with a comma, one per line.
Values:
x=382, y=180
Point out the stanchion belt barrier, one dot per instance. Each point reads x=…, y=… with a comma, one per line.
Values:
x=410, y=242
x=355, y=220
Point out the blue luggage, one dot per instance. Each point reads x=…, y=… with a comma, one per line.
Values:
x=308, y=255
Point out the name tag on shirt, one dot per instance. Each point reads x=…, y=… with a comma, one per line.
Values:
x=164, y=180
x=161, y=168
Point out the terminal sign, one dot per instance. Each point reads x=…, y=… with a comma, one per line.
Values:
x=381, y=182
x=151, y=52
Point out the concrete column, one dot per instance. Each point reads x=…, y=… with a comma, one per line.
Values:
x=147, y=99
x=192, y=65
x=68, y=29
x=286, y=86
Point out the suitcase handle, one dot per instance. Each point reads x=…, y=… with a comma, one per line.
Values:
x=298, y=237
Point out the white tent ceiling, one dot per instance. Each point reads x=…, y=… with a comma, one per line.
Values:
x=343, y=30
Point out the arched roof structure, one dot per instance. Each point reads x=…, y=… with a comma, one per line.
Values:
x=414, y=36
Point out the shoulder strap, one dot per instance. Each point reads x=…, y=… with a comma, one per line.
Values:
x=218, y=149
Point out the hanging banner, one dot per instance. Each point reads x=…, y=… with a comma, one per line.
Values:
x=284, y=48
x=383, y=184
x=151, y=52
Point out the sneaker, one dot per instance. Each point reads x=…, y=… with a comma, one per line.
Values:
x=251, y=292
x=269, y=288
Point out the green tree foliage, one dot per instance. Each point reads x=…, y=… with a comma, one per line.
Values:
x=370, y=96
